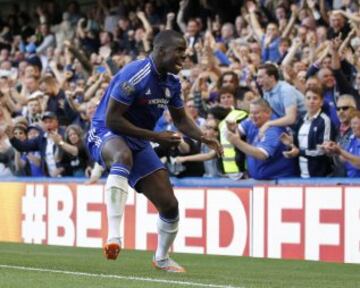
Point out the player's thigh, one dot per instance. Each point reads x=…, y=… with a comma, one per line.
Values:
x=116, y=150
x=158, y=189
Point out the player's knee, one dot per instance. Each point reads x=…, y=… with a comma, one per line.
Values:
x=170, y=209
x=123, y=157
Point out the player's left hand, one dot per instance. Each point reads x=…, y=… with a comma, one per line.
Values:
x=214, y=144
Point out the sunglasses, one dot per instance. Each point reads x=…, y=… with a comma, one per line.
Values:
x=344, y=108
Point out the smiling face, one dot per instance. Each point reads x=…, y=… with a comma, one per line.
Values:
x=344, y=106
x=265, y=81
x=259, y=115
x=73, y=137
x=173, y=56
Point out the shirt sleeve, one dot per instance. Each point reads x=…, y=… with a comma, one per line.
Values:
x=244, y=126
x=289, y=95
x=126, y=86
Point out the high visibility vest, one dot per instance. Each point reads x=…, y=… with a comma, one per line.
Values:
x=228, y=160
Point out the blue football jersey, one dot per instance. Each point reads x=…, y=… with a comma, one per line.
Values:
x=140, y=86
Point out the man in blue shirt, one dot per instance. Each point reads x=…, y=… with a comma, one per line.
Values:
x=264, y=153
x=285, y=100
x=120, y=136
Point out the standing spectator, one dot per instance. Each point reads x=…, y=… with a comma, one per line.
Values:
x=286, y=102
x=6, y=154
x=33, y=111
x=48, y=39
x=351, y=154
x=72, y=154
x=344, y=106
x=44, y=144
x=310, y=133
x=264, y=152
x=28, y=163
x=207, y=156
x=56, y=100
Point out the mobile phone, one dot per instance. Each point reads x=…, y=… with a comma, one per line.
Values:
x=100, y=69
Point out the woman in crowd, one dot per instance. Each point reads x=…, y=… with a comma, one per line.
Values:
x=73, y=154
x=310, y=133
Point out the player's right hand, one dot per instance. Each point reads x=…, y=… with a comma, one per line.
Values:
x=168, y=138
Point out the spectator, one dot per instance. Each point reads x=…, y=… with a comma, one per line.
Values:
x=44, y=144
x=29, y=163
x=310, y=133
x=233, y=162
x=33, y=111
x=72, y=155
x=6, y=154
x=264, y=152
x=286, y=102
x=206, y=155
x=345, y=105
x=351, y=154
x=56, y=100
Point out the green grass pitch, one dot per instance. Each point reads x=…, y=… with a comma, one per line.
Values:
x=37, y=266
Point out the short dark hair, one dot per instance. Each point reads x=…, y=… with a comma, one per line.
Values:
x=271, y=70
x=317, y=90
x=226, y=90
x=165, y=37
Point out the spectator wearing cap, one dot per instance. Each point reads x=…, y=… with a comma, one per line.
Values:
x=46, y=144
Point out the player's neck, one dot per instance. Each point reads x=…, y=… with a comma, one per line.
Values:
x=157, y=66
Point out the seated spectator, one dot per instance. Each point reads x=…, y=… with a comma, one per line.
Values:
x=351, y=154
x=264, y=152
x=310, y=133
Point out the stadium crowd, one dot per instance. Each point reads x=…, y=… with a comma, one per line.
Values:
x=277, y=82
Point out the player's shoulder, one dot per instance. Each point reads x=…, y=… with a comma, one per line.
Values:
x=136, y=71
x=173, y=80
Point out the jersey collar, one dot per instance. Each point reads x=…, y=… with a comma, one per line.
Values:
x=153, y=65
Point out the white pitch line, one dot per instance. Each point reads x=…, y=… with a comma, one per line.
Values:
x=109, y=276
